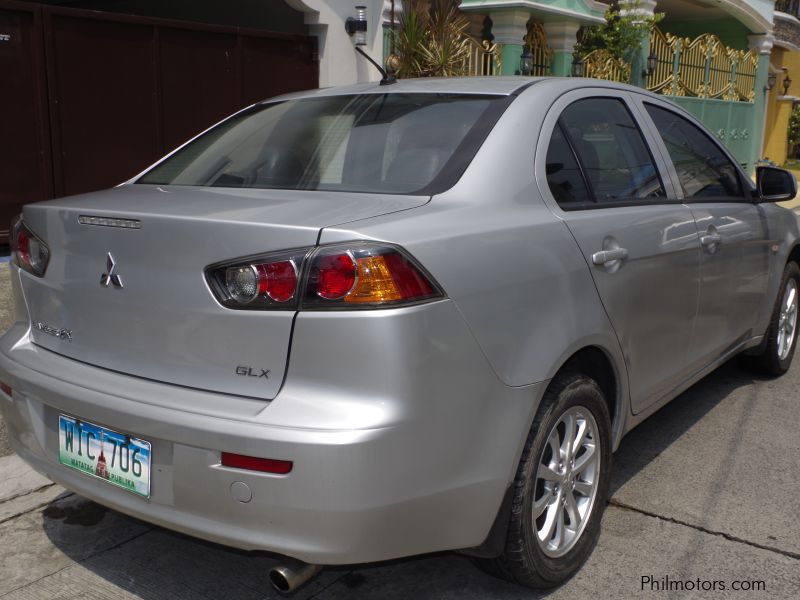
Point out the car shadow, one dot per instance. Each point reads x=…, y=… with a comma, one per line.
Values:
x=111, y=551
x=659, y=431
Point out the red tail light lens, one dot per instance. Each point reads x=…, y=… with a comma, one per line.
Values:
x=355, y=275
x=262, y=282
x=336, y=276
x=278, y=280
x=28, y=251
x=365, y=275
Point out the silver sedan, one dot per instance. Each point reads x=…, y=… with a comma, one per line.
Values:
x=369, y=322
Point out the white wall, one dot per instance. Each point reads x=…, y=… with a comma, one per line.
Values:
x=340, y=64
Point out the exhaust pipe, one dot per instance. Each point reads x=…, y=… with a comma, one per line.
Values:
x=292, y=574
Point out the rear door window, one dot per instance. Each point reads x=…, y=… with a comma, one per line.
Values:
x=611, y=151
x=564, y=176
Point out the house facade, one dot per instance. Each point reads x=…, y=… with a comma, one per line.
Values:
x=714, y=59
x=101, y=88
x=784, y=75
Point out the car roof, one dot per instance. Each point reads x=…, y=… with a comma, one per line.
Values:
x=492, y=85
x=434, y=85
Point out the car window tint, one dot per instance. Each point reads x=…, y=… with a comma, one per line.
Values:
x=393, y=143
x=563, y=174
x=612, y=151
x=703, y=169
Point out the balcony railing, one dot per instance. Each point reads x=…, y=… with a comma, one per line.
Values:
x=790, y=7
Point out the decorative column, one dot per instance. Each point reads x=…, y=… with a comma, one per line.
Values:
x=762, y=44
x=644, y=9
x=392, y=9
x=509, y=28
x=561, y=39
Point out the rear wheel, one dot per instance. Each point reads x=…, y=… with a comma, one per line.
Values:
x=781, y=337
x=561, y=486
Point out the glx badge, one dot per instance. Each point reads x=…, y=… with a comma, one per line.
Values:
x=110, y=277
x=251, y=372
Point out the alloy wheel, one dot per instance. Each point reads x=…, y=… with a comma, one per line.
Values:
x=567, y=479
x=787, y=320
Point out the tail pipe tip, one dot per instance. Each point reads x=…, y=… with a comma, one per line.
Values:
x=292, y=574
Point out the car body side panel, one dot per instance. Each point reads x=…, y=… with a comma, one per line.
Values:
x=512, y=268
x=739, y=267
x=784, y=228
x=775, y=225
x=652, y=315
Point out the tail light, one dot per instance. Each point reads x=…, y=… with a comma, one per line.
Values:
x=269, y=281
x=363, y=276
x=354, y=276
x=28, y=251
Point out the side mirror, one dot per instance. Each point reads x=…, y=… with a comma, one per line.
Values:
x=775, y=185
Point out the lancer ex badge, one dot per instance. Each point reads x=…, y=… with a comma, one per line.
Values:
x=110, y=277
x=59, y=332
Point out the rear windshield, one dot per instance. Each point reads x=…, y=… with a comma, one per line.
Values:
x=389, y=143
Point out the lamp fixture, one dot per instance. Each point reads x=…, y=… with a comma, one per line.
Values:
x=787, y=81
x=578, y=66
x=356, y=27
x=772, y=78
x=526, y=61
x=652, y=63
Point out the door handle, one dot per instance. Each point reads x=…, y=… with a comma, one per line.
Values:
x=710, y=239
x=606, y=256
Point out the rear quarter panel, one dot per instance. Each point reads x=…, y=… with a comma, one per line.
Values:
x=512, y=267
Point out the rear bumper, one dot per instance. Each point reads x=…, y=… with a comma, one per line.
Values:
x=388, y=462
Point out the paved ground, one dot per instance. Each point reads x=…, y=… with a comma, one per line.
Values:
x=5, y=320
x=705, y=491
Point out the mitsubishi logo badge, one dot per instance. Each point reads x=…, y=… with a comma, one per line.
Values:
x=109, y=277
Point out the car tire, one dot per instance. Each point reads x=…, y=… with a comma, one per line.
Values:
x=543, y=483
x=776, y=356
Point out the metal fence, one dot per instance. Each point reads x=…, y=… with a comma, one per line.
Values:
x=702, y=68
x=601, y=64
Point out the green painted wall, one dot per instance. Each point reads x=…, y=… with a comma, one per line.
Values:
x=730, y=31
x=511, y=57
x=734, y=123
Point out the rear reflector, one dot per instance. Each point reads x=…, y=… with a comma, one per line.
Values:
x=5, y=388
x=253, y=463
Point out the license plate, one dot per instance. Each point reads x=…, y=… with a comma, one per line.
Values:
x=114, y=457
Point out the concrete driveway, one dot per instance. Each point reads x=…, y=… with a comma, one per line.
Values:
x=705, y=494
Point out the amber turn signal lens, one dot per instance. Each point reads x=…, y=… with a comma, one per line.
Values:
x=375, y=282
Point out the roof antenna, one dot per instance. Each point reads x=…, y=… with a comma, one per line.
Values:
x=388, y=78
x=357, y=29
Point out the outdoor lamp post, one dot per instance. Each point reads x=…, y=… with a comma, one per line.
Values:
x=652, y=63
x=578, y=66
x=771, y=79
x=356, y=26
x=526, y=61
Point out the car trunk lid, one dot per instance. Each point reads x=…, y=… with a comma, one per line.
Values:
x=163, y=322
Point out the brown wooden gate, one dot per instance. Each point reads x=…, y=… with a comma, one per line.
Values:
x=89, y=99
